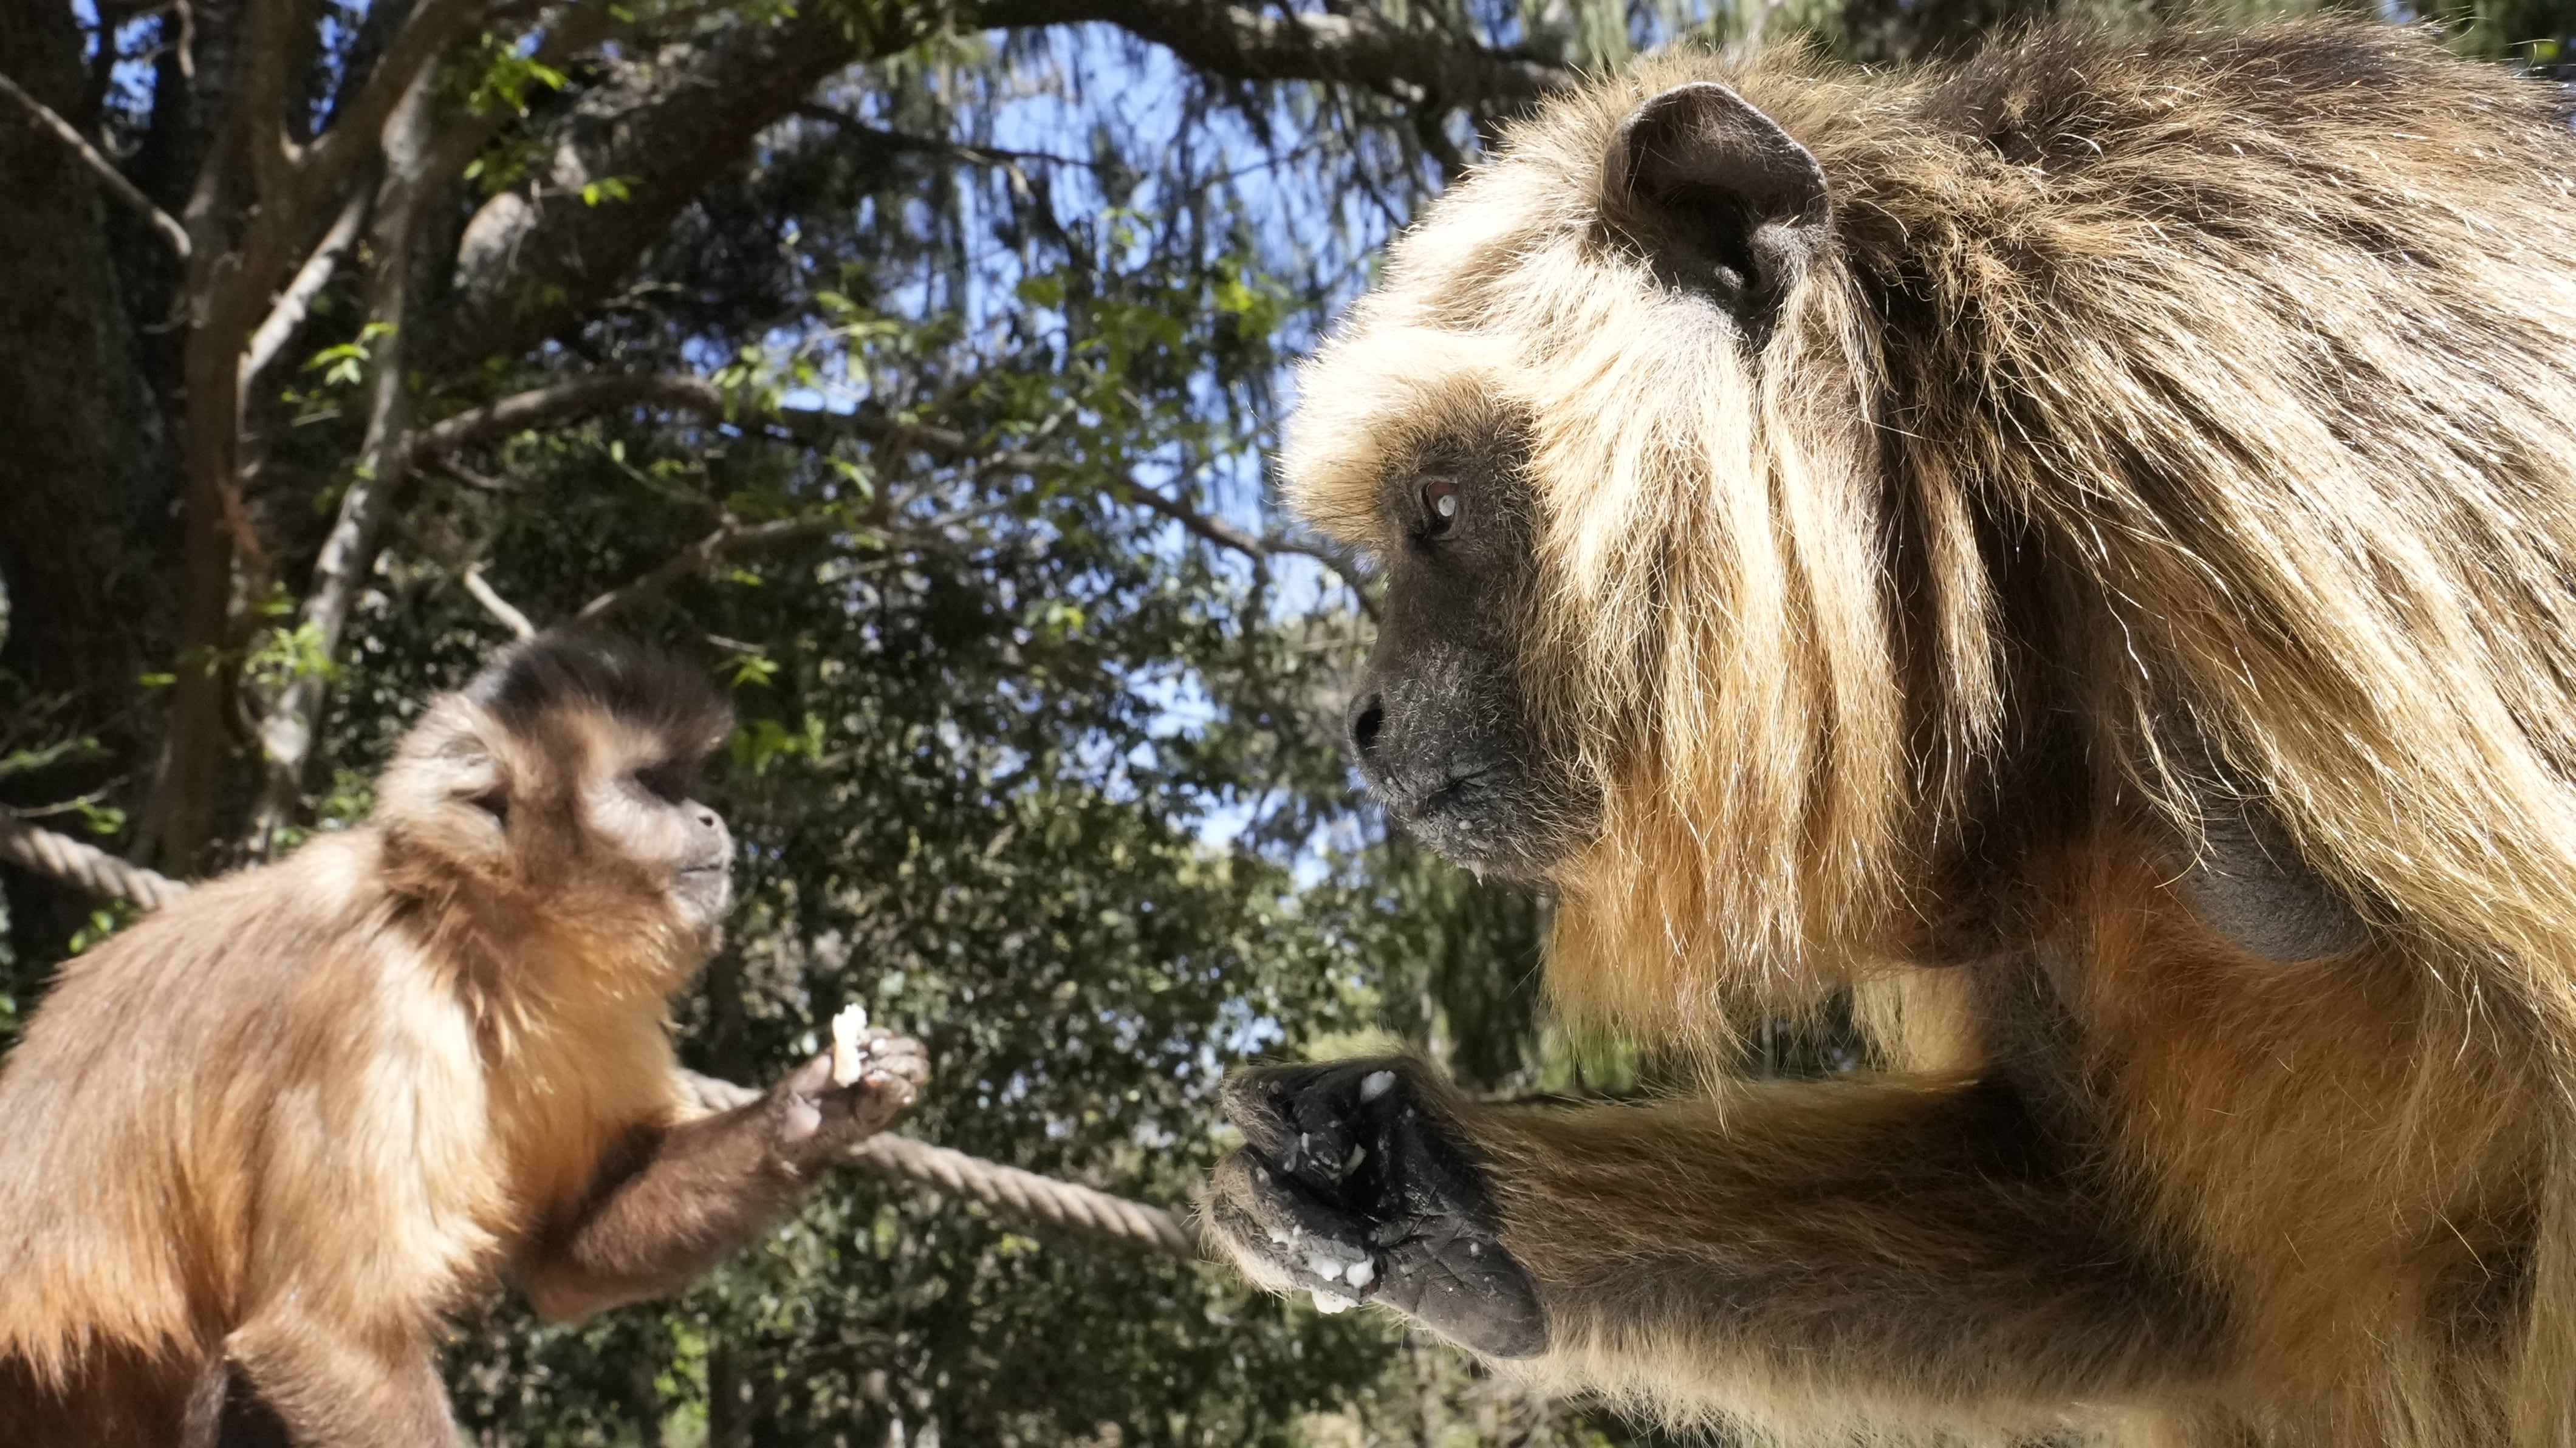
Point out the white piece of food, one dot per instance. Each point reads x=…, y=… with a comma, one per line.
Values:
x=1329, y=1303
x=1376, y=1084
x=849, y=1052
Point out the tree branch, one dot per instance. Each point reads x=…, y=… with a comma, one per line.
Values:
x=494, y=604
x=1358, y=46
x=562, y=402
x=288, y=312
x=288, y=721
x=277, y=36
x=667, y=129
x=123, y=190
x=356, y=134
x=732, y=538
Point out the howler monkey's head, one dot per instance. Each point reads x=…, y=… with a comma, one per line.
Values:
x=553, y=793
x=1598, y=428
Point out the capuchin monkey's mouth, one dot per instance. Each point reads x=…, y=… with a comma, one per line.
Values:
x=705, y=889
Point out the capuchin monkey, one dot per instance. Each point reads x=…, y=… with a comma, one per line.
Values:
x=255, y=1149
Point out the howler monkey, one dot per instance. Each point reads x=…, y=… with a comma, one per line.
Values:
x=2076, y=548
x=253, y=1148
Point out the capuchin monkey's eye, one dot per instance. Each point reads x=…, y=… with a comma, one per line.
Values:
x=1439, y=507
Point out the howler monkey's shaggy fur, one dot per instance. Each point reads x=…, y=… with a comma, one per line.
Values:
x=2079, y=548
x=252, y=1149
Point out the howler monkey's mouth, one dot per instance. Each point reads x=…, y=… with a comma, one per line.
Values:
x=1478, y=816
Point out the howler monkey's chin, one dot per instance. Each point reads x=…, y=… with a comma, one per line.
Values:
x=1444, y=736
x=1489, y=815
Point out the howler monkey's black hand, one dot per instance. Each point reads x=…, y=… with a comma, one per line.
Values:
x=1353, y=1182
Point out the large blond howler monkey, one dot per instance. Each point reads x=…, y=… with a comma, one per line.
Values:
x=253, y=1149
x=2078, y=549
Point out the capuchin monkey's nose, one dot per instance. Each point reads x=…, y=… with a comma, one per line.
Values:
x=1367, y=718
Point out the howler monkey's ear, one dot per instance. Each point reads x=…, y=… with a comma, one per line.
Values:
x=1721, y=199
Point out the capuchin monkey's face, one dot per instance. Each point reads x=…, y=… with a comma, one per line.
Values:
x=563, y=780
x=645, y=811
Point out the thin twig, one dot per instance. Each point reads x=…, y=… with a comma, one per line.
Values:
x=124, y=190
x=580, y=396
x=694, y=559
x=477, y=481
x=1227, y=535
x=953, y=446
x=288, y=312
x=494, y=604
x=931, y=145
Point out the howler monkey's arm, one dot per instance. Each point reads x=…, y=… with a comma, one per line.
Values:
x=681, y=1198
x=1905, y=1238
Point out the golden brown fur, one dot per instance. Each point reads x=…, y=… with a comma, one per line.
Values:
x=292, y=1121
x=2170, y=421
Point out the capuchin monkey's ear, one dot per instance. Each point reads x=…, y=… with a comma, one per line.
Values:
x=1720, y=199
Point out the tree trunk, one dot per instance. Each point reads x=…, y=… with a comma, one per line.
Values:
x=74, y=467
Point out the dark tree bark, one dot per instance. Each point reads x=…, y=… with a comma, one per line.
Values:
x=70, y=476
x=75, y=484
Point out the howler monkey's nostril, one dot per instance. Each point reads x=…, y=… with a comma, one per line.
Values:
x=1368, y=716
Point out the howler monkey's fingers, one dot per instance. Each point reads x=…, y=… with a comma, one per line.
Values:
x=1284, y=1237
x=1320, y=1122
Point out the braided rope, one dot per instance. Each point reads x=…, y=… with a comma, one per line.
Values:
x=1008, y=1189
x=1029, y=1196
x=87, y=866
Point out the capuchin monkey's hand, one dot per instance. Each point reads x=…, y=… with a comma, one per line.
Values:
x=813, y=1120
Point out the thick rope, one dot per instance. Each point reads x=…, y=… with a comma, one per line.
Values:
x=1023, y=1194
x=87, y=866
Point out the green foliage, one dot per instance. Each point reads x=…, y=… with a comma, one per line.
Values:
x=1023, y=764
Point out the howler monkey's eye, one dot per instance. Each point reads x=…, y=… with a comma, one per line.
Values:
x=1440, y=505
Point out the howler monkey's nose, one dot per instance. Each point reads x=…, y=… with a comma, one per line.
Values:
x=1367, y=717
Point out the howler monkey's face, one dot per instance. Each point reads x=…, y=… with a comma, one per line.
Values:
x=1576, y=429
x=1440, y=726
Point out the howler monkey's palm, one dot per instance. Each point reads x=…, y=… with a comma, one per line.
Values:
x=1354, y=1184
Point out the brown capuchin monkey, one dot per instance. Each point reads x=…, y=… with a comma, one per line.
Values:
x=256, y=1148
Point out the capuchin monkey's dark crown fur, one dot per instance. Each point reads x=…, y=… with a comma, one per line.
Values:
x=559, y=670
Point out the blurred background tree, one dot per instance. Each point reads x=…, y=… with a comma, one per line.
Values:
x=909, y=363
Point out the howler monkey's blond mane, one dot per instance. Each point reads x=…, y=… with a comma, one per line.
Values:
x=2257, y=412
